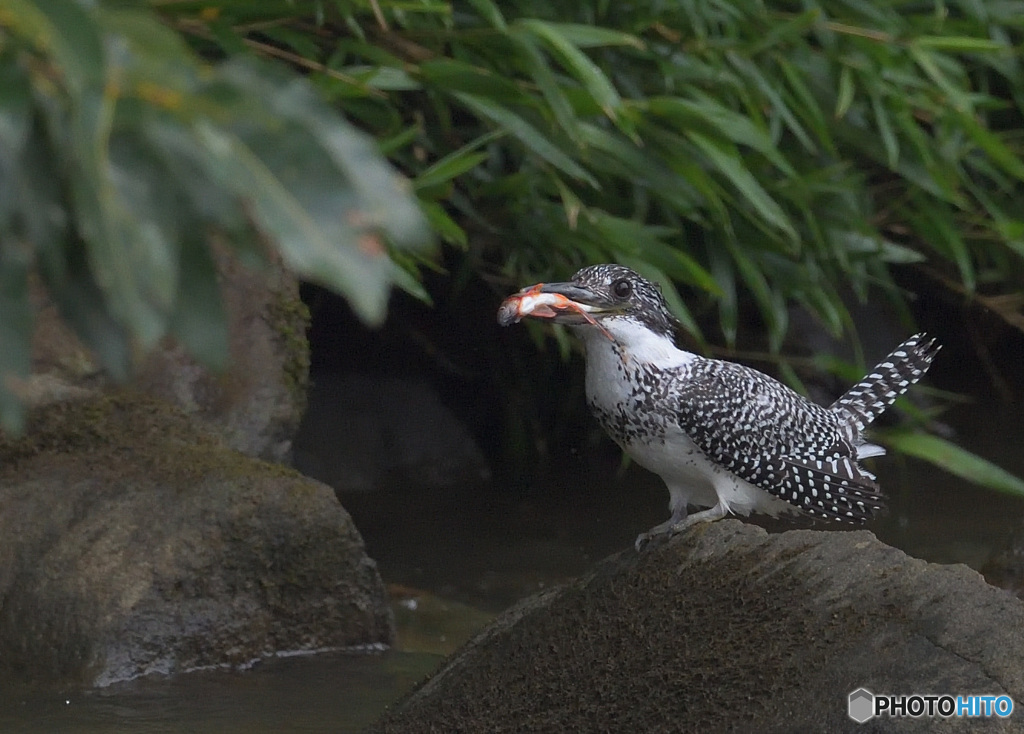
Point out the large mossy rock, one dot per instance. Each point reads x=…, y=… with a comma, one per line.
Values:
x=728, y=628
x=254, y=405
x=132, y=542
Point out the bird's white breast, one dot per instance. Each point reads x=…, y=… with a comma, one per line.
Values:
x=612, y=385
x=611, y=365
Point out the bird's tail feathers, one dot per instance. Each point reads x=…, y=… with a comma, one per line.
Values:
x=890, y=378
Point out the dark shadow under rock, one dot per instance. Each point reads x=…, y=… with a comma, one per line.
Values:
x=132, y=543
x=728, y=628
x=395, y=434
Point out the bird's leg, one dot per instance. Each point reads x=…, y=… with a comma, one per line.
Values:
x=663, y=530
x=709, y=515
x=679, y=522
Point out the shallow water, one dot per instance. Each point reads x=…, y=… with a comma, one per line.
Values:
x=337, y=693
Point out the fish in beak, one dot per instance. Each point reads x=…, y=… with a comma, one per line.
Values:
x=563, y=303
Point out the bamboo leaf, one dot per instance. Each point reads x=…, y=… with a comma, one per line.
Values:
x=728, y=304
x=451, y=166
x=542, y=75
x=929, y=63
x=885, y=129
x=988, y=141
x=844, y=98
x=578, y=63
x=490, y=12
x=809, y=106
x=935, y=222
x=443, y=225
x=642, y=165
x=526, y=134
x=730, y=164
x=719, y=119
x=956, y=460
x=589, y=36
x=960, y=44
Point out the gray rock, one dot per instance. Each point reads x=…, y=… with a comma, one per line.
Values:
x=728, y=628
x=133, y=543
x=255, y=405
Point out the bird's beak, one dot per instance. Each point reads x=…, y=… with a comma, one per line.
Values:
x=586, y=303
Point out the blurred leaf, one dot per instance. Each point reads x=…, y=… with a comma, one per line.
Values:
x=405, y=280
x=199, y=321
x=63, y=30
x=121, y=152
x=954, y=459
x=15, y=331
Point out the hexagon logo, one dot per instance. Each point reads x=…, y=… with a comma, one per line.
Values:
x=861, y=705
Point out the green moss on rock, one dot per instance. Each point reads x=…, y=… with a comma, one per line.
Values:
x=122, y=434
x=289, y=319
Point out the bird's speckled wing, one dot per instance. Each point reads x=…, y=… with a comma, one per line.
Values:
x=770, y=436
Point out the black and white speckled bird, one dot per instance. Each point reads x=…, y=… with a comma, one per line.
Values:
x=721, y=435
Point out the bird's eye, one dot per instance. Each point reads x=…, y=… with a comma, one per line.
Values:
x=622, y=288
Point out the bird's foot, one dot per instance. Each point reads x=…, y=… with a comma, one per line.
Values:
x=654, y=537
x=661, y=533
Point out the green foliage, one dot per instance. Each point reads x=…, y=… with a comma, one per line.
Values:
x=764, y=151
x=746, y=153
x=123, y=157
x=740, y=153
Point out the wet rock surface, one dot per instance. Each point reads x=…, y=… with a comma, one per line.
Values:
x=728, y=628
x=132, y=542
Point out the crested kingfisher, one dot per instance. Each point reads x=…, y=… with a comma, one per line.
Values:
x=722, y=436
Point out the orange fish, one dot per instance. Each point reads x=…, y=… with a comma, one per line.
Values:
x=533, y=301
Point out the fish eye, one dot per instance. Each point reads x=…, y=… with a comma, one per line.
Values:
x=622, y=288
